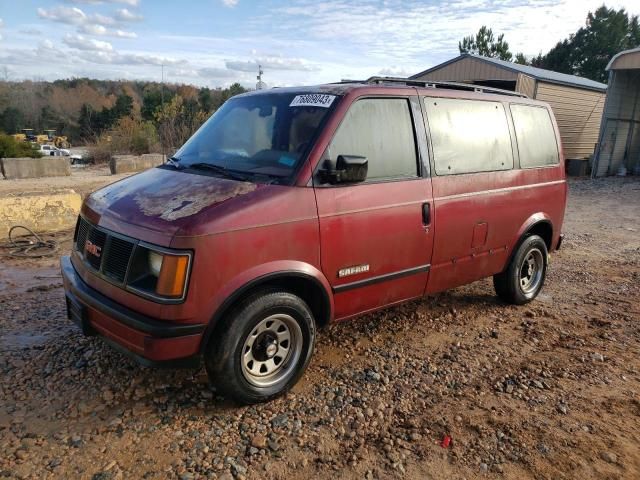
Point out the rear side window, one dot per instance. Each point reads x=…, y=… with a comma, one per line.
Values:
x=468, y=136
x=536, y=138
x=380, y=129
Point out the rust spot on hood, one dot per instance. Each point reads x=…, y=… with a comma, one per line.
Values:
x=178, y=202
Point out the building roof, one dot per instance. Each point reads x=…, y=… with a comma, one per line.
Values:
x=537, y=73
x=625, y=60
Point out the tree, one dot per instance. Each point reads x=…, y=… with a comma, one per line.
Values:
x=485, y=44
x=123, y=106
x=11, y=120
x=521, y=59
x=587, y=52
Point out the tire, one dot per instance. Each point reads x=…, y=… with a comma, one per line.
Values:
x=524, y=277
x=263, y=348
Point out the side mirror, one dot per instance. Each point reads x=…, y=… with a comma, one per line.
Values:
x=349, y=169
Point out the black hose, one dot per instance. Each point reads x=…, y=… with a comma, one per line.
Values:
x=29, y=245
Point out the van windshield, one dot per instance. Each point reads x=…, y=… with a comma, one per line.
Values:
x=265, y=134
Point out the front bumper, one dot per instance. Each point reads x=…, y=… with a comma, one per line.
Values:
x=149, y=341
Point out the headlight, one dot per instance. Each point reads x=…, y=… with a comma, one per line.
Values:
x=159, y=273
x=155, y=263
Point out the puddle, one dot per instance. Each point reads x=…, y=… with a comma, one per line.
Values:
x=21, y=279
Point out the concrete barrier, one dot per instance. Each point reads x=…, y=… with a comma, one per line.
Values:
x=41, y=212
x=134, y=163
x=13, y=168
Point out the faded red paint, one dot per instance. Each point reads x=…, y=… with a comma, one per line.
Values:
x=242, y=232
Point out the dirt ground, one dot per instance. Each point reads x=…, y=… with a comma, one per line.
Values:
x=548, y=390
x=84, y=179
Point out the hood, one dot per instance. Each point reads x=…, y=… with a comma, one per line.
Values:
x=161, y=200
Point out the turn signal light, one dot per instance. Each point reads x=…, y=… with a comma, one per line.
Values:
x=173, y=275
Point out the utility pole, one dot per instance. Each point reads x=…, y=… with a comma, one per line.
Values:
x=260, y=85
x=162, y=109
x=162, y=87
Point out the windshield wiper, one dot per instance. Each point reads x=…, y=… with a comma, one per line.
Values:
x=173, y=161
x=234, y=174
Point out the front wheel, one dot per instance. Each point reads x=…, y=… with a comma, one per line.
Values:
x=264, y=347
x=524, y=277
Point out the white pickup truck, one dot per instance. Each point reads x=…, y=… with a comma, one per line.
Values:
x=52, y=151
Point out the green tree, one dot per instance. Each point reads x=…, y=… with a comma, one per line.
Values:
x=151, y=101
x=587, y=52
x=521, y=59
x=484, y=43
x=12, y=120
x=123, y=106
x=205, y=99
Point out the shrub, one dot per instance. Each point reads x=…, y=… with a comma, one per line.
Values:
x=12, y=148
x=128, y=136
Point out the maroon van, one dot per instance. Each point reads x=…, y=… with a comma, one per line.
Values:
x=292, y=208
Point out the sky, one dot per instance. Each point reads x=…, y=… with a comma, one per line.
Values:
x=217, y=42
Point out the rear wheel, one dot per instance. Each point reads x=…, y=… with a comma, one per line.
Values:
x=524, y=277
x=264, y=347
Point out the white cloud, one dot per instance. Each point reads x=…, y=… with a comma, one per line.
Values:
x=1, y=23
x=123, y=34
x=101, y=19
x=125, y=15
x=230, y=3
x=216, y=72
x=70, y=15
x=74, y=16
x=394, y=71
x=82, y=43
x=132, y=3
x=30, y=31
x=100, y=30
x=272, y=63
x=115, y=58
x=93, y=29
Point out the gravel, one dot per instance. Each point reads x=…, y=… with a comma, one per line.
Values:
x=518, y=390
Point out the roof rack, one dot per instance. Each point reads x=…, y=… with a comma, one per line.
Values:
x=449, y=85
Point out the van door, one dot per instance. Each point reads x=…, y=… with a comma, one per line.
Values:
x=376, y=236
x=473, y=174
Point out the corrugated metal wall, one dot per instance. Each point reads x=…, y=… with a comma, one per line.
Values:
x=578, y=113
x=526, y=85
x=620, y=142
x=468, y=69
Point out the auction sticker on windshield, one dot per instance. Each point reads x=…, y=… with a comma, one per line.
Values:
x=313, y=100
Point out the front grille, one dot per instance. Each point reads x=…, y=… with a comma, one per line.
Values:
x=83, y=230
x=113, y=251
x=118, y=252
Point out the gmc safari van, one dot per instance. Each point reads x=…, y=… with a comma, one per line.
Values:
x=292, y=208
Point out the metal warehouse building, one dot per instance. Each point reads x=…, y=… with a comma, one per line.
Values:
x=619, y=146
x=576, y=102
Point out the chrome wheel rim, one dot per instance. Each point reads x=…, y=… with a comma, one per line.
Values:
x=531, y=271
x=271, y=351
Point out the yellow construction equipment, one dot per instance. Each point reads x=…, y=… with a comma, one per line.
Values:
x=57, y=140
x=49, y=137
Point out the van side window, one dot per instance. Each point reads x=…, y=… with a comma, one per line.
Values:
x=468, y=136
x=536, y=137
x=380, y=129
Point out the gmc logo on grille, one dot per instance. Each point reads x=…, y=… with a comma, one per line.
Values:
x=92, y=248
